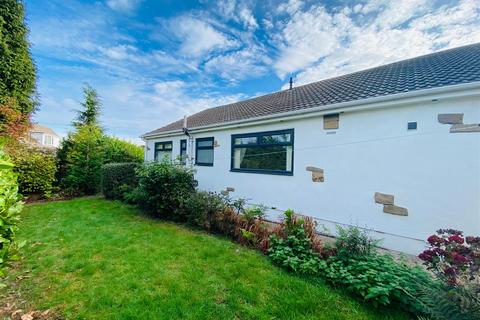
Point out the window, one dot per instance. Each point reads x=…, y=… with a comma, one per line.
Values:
x=163, y=150
x=37, y=136
x=183, y=151
x=412, y=126
x=48, y=140
x=263, y=152
x=204, y=152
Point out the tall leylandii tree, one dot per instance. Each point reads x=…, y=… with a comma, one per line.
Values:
x=81, y=155
x=18, y=97
x=91, y=106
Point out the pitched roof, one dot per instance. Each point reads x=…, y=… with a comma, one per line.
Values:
x=443, y=68
x=42, y=129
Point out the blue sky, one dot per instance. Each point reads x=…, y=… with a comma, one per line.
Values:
x=153, y=62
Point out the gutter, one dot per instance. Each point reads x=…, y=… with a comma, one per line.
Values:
x=447, y=92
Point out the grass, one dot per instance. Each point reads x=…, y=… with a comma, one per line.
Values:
x=97, y=259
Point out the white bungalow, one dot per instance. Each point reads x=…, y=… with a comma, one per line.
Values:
x=394, y=149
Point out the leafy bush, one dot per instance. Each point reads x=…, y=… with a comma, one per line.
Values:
x=118, y=179
x=452, y=257
x=351, y=241
x=162, y=188
x=201, y=208
x=117, y=151
x=36, y=170
x=377, y=278
x=291, y=246
x=444, y=302
x=455, y=260
x=255, y=212
x=10, y=207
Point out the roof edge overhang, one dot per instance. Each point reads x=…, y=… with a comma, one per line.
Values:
x=392, y=100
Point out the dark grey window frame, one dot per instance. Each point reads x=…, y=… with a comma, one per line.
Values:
x=206, y=164
x=183, y=148
x=259, y=135
x=163, y=143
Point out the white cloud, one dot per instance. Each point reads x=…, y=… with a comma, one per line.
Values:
x=123, y=5
x=198, y=37
x=239, y=65
x=290, y=7
x=247, y=18
x=319, y=44
x=306, y=38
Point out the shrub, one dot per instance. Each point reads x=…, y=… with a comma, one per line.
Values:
x=291, y=246
x=118, y=179
x=10, y=207
x=379, y=279
x=163, y=187
x=452, y=257
x=200, y=208
x=255, y=212
x=351, y=241
x=36, y=170
x=444, y=302
x=117, y=150
x=455, y=260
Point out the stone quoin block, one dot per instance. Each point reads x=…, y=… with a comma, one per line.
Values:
x=317, y=174
x=450, y=118
x=396, y=210
x=384, y=198
x=458, y=128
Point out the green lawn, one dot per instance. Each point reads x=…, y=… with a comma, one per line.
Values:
x=96, y=259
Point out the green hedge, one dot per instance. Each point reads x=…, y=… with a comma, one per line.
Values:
x=36, y=170
x=118, y=178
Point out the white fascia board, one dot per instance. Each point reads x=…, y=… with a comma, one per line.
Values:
x=394, y=100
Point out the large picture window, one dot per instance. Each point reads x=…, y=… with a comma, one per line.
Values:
x=163, y=150
x=204, y=151
x=263, y=152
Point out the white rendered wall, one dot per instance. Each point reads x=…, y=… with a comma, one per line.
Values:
x=433, y=173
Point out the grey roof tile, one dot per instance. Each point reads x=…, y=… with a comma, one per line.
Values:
x=443, y=68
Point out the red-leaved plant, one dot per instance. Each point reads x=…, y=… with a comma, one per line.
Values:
x=453, y=257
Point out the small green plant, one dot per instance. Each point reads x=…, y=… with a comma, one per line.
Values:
x=249, y=236
x=352, y=241
x=255, y=212
x=291, y=247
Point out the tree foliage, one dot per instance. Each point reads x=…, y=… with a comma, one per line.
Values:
x=10, y=207
x=88, y=115
x=117, y=150
x=84, y=160
x=17, y=70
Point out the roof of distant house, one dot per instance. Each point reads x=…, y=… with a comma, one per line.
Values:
x=444, y=68
x=42, y=129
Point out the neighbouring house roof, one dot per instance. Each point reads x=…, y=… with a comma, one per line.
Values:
x=42, y=129
x=444, y=68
